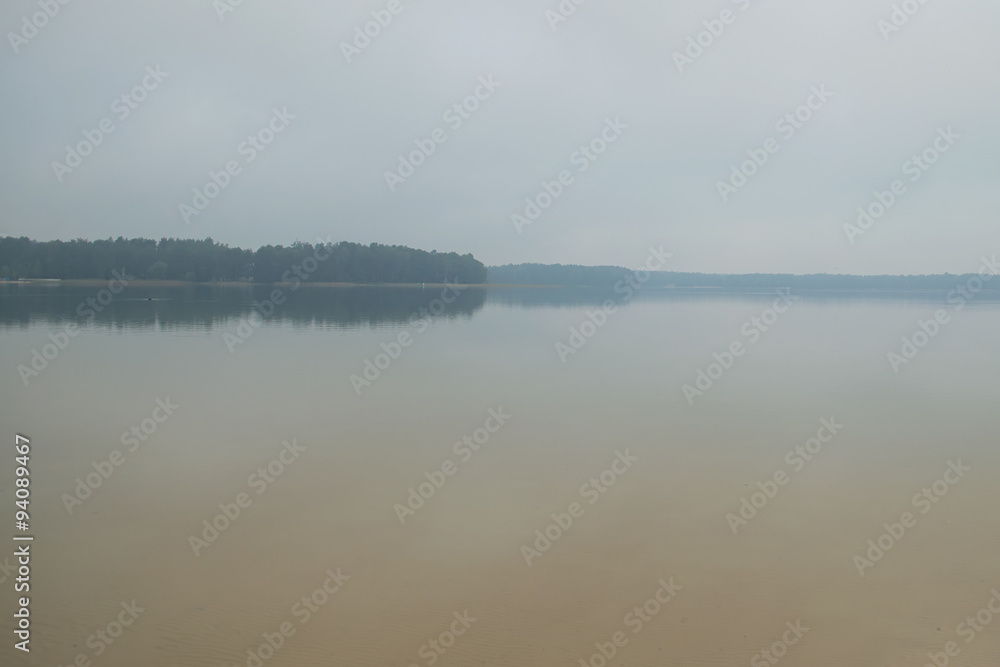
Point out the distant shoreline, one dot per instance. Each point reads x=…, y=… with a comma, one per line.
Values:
x=96, y=282
x=136, y=282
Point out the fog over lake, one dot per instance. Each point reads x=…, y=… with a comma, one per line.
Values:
x=394, y=333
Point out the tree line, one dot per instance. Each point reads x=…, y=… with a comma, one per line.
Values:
x=606, y=276
x=208, y=261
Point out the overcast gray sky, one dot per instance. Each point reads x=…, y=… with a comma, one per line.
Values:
x=688, y=123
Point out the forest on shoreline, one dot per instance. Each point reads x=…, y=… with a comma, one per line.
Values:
x=207, y=261
x=607, y=276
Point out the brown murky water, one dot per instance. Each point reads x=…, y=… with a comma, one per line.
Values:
x=647, y=487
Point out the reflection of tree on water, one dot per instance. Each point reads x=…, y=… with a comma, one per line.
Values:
x=207, y=306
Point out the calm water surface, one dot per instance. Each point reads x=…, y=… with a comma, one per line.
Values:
x=504, y=438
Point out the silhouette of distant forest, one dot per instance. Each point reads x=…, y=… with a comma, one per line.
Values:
x=208, y=261
x=607, y=276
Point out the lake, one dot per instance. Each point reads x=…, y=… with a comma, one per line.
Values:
x=505, y=476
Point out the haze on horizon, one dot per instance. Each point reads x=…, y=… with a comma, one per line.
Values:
x=556, y=86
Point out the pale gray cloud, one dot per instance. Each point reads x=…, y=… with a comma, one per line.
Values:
x=324, y=174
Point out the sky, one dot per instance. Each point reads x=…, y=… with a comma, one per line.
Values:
x=739, y=135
